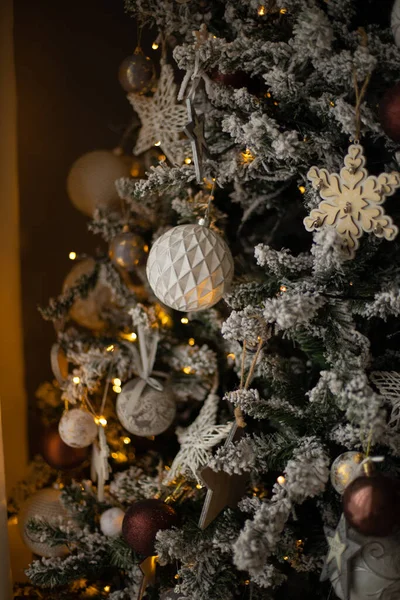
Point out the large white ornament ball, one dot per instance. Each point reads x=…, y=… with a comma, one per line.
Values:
x=87, y=311
x=375, y=570
x=190, y=268
x=145, y=411
x=111, y=522
x=44, y=505
x=77, y=428
x=91, y=180
x=345, y=468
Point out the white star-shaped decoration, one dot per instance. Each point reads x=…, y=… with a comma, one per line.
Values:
x=163, y=120
x=197, y=440
x=336, y=550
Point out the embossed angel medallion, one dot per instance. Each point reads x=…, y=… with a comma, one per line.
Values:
x=352, y=201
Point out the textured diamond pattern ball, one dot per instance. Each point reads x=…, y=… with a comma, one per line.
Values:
x=77, y=428
x=143, y=520
x=145, y=411
x=44, y=505
x=136, y=74
x=190, y=268
x=91, y=180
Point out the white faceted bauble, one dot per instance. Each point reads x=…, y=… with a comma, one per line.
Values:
x=190, y=268
x=145, y=411
x=87, y=311
x=91, y=180
x=344, y=469
x=44, y=505
x=77, y=428
x=375, y=570
x=111, y=522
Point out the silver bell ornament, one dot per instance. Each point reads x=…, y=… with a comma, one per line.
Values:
x=45, y=505
x=190, y=268
x=136, y=73
x=128, y=250
x=91, y=180
x=345, y=468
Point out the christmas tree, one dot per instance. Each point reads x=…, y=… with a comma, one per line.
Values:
x=249, y=303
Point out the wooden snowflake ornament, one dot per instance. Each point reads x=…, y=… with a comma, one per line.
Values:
x=352, y=201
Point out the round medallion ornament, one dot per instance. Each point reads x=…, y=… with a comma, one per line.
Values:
x=190, y=268
x=144, y=410
x=77, y=428
x=375, y=570
x=345, y=468
x=44, y=504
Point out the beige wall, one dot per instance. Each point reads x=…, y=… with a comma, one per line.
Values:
x=12, y=394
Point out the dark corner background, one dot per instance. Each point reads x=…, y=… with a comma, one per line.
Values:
x=69, y=102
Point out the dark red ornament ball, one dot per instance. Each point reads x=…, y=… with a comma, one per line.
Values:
x=57, y=454
x=237, y=80
x=371, y=505
x=389, y=112
x=143, y=520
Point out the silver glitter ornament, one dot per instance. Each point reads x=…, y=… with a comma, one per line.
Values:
x=190, y=268
x=144, y=410
x=136, y=73
x=345, y=468
x=44, y=504
x=128, y=250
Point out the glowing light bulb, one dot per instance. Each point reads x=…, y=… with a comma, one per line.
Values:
x=283, y=11
x=199, y=486
x=127, y=440
x=184, y=320
x=76, y=380
x=117, y=381
x=187, y=370
x=72, y=255
x=281, y=480
x=302, y=189
x=157, y=144
x=231, y=355
x=191, y=342
x=283, y=288
x=100, y=421
x=261, y=10
x=117, y=389
x=188, y=161
x=154, y=45
x=110, y=348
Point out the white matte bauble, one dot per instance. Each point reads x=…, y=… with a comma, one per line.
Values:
x=143, y=410
x=344, y=469
x=190, y=268
x=111, y=522
x=375, y=570
x=44, y=504
x=91, y=180
x=77, y=428
x=87, y=311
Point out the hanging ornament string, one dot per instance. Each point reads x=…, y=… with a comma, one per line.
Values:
x=238, y=411
x=360, y=93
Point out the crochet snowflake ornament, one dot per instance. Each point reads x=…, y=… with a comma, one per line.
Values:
x=352, y=201
x=163, y=120
x=197, y=440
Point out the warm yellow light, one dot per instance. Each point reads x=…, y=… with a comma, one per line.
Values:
x=129, y=337
x=187, y=370
x=281, y=480
x=107, y=588
x=110, y=348
x=276, y=103
x=76, y=380
x=184, y=320
x=191, y=342
x=72, y=255
x=283, y=288
x=145, y=248
x=119, y=457
x=100, y=421
x=261, y=10
x=188, y=160
x=331, y=103
x=285, y=558
x=117, y=389
x=283, y=11
x=117, y=381
x=231, y=355
x=127, y=440
x=177, y=576
x=247, y=582
x=302, y=189
x=162, y=158
x=157, y=144
x=247, y=156
x=154, y=45
x=199, y=486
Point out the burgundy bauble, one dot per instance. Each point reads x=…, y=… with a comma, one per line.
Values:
x=389, y=112
x=371, y=505
x=142, y=521
x=237, y=80
x=57, y=454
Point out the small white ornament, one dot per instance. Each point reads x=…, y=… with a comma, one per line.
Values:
x=100, y=468
x=190, y=268
x=344, y=469
x=144, y=410
x=395, y=22
x=111, y=522
x=91, y=180
x=45, y=505
x=352, y=201
x=77, y=428
x=163, y=120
